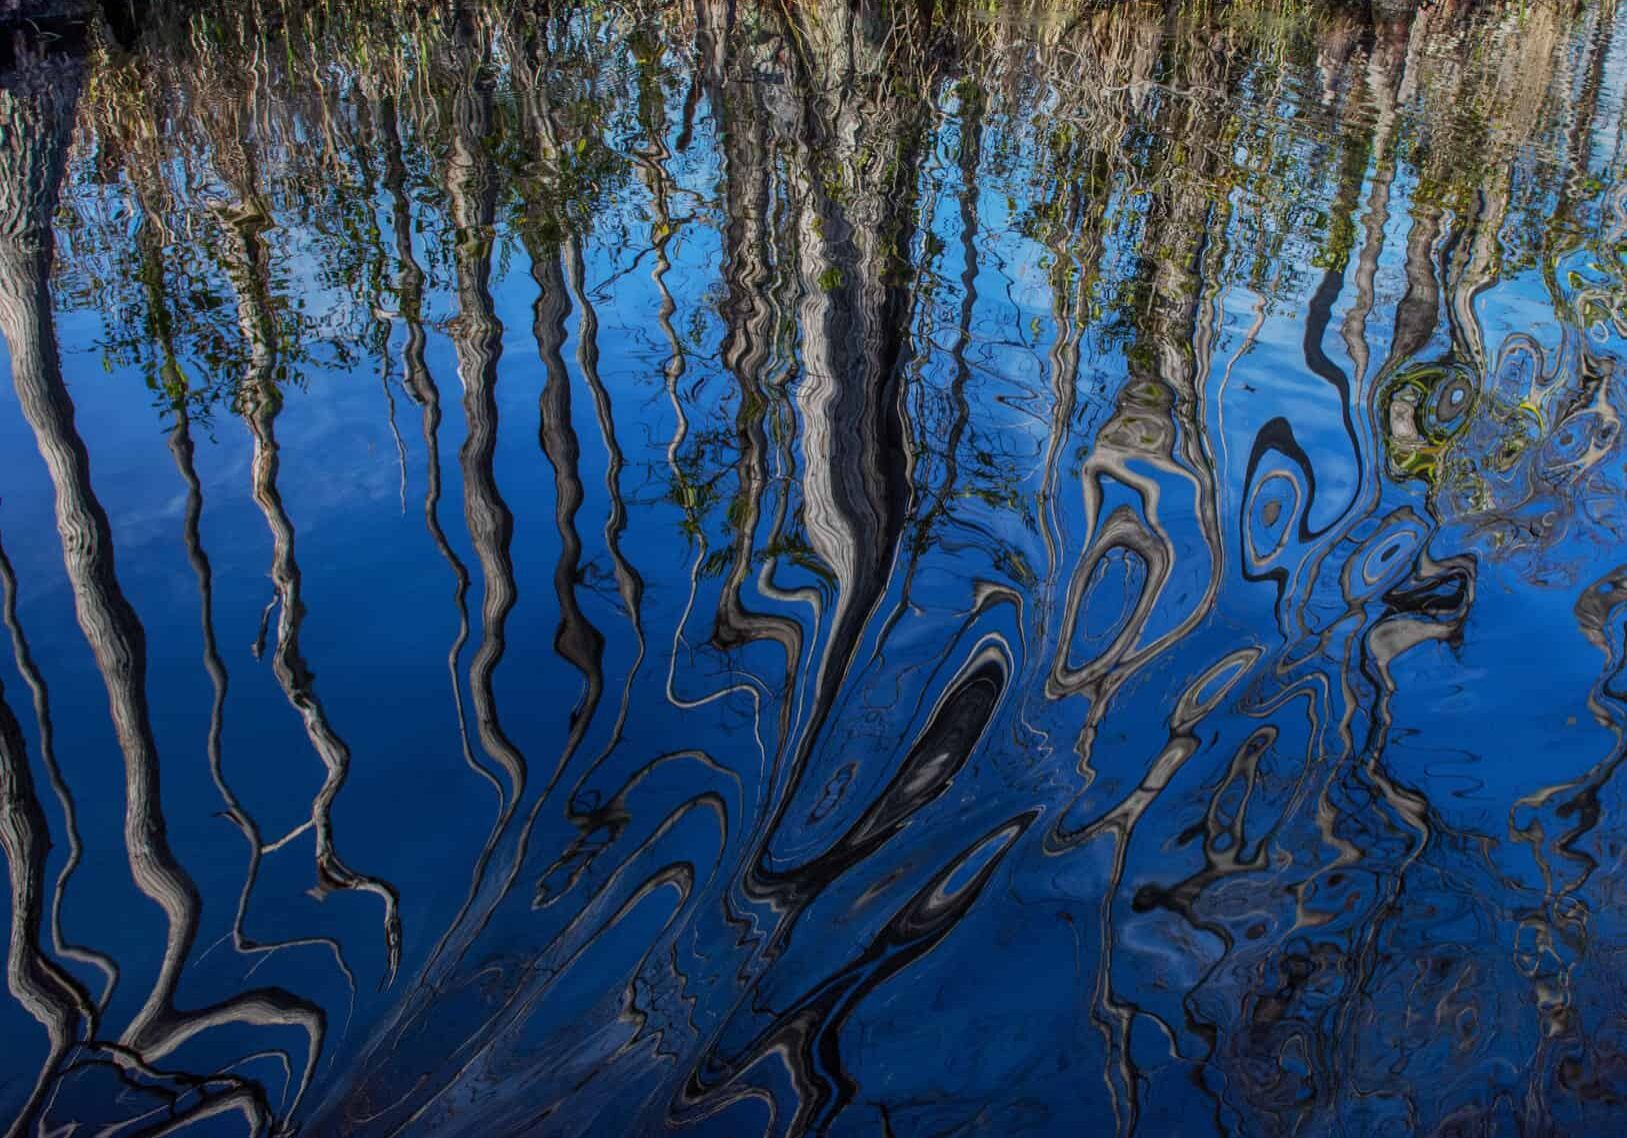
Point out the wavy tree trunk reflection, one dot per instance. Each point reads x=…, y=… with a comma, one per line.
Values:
x=259, y=402
x=28, y=189
x=44, y=989
x=420, y=383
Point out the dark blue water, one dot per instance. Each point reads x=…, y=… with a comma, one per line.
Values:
x=816, y=569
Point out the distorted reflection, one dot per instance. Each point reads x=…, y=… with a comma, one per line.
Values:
x=830, y=567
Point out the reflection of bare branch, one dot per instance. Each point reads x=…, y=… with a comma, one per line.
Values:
x=421, y=386
x=181, y=446
x=478, y=338
x=44, y=989
x=59, y=786
x=259, y=402
x=926, y=523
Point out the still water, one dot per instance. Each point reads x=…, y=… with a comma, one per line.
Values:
x=789, y=569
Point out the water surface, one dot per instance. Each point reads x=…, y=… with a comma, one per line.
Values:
x=816, y=568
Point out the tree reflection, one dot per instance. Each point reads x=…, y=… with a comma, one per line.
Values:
x=1020, y=468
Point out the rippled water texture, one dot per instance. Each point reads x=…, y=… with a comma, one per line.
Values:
x=797, y=569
